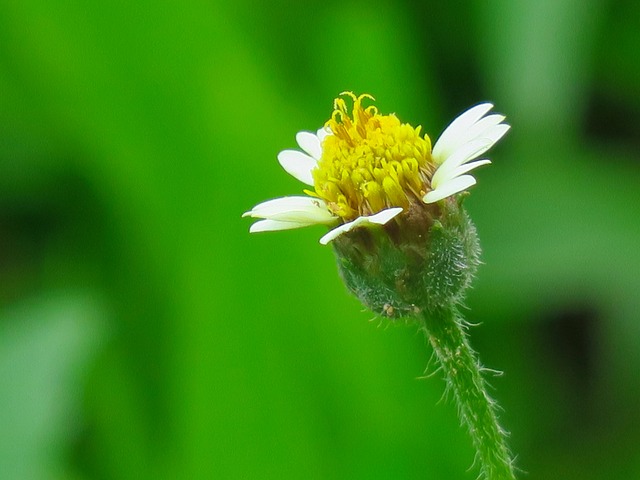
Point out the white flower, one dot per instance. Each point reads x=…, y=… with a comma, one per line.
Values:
x=465, y=139
x=286, y=213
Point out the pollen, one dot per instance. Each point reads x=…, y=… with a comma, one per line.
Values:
x=371, y=161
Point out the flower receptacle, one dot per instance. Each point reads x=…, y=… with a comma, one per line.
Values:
x=423, y=259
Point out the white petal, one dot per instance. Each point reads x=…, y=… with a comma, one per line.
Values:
x=467, y=167
x=310, y=143
x=279, y=203
x=383, y=217
x=449, y=140
x=497, y=132
x=323, y=133
x=298, y=209
x=491, y=136
x=273, y=225
x=462, y=155
x=451, y=187
x=481, y=128
x=379, y=218
x=298, y=164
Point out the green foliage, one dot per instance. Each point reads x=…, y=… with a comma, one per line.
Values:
x=134, y=134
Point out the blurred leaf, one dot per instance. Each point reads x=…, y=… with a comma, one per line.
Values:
x=45, y=347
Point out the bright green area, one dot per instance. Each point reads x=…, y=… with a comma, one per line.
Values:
x=144, y=334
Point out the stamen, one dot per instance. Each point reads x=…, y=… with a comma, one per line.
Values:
x=371, y=162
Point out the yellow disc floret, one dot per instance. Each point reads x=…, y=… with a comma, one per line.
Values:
x=371, y=162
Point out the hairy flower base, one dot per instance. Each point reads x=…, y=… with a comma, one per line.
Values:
x=419, y=268
x=423, y=261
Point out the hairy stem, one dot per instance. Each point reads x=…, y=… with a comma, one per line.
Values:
x=445, y=330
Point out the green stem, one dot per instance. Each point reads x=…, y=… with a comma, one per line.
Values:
x=445, y=330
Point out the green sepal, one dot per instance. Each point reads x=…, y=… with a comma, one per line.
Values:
x=420, y=261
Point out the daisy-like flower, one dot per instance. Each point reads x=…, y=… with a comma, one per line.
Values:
x=405, y=247
x=368, y=168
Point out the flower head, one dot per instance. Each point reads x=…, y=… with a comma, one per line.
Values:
x=366, y=168
x=404, y=245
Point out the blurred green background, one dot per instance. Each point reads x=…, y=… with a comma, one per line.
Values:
x=145, y=334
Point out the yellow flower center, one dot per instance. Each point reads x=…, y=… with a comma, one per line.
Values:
x=371, y=162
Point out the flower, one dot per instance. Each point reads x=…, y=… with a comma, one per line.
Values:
x=404, y=245
x=366, y=168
